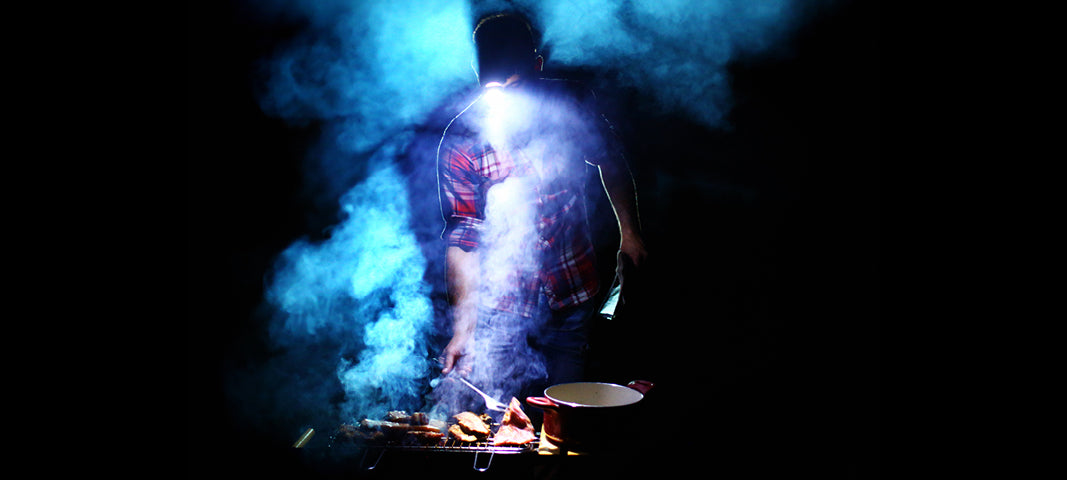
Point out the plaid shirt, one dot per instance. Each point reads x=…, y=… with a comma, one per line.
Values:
x=468, y=166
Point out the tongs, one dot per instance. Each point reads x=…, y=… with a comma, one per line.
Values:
x=490, y=402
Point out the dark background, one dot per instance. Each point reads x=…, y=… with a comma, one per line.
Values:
x=757, y=315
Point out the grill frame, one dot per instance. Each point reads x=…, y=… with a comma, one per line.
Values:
x=447, y=444
x=372, y=452
x=451, y=445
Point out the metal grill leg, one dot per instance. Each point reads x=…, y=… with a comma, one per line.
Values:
x=363, y=461
x=486, y=467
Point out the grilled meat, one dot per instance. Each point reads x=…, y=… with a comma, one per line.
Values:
x=515, y=428
x=456, y=432
x=385, y=425
x=400, y=416
x=472, y=424
x=419, y=418
x=470, y=427
x=423, y=437
x=415, y=429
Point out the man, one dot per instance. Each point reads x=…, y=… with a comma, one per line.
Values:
x=520, y=264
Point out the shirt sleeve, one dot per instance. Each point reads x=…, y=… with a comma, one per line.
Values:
x=461, y=204
x=607, y=146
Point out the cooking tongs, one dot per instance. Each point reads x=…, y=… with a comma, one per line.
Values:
x=490, y=402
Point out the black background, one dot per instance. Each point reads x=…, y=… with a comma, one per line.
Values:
x=757, y=315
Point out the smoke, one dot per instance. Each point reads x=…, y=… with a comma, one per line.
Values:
x=675, y=52
x=377, y=67
x=374, y=66
x=351, y=316
x=678, y=51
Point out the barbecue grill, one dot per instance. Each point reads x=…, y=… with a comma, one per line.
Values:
x=334, y=456
x=484, y=451
x=482, y=458
x=349, y=456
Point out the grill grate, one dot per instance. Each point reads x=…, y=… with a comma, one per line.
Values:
x=452, y=445
x=373, y=451
x=447, y=444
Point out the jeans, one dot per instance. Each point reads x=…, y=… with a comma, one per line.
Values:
x=563, y=339
x=514, y=356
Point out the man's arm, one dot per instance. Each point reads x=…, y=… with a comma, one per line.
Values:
x=619, y=185
x=461, y=271
x=460, y=209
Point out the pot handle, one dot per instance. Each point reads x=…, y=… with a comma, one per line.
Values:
x=642, y=386
x=543, y=403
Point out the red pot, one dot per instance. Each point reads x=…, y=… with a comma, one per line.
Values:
x=589, y=416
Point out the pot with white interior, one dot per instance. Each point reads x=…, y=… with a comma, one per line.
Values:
x=590, y=416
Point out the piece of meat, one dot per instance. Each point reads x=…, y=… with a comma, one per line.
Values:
x=387, y=431
x=358, y=433
x=515, y=428
x=397, y=426
x=398, y=416
x=439, y=425
x=423, y=437
x=510, y=435
x=420, y=418
x=457, y=432
x=348, y=432
x=472, y=424
x=385, y=425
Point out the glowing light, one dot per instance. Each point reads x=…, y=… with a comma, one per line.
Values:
x=498, y=121
x=494, y=95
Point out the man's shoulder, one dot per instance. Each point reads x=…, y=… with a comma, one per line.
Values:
x=459, y=137
x=462, y=123
x=459, y=134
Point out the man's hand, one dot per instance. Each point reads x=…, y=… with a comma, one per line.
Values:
x=454, y=356
x=631, y=252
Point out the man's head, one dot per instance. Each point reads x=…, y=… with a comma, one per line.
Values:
x=505, y=46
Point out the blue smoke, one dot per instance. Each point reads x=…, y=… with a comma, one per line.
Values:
x=360, y=295
x=354, y=309
x=675, y=51
x=379, y=66
x=375, y=67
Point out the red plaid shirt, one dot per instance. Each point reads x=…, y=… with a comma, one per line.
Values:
x=468, y=166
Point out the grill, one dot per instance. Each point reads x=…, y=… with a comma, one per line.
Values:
x=457, y=446
x=372, y=452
